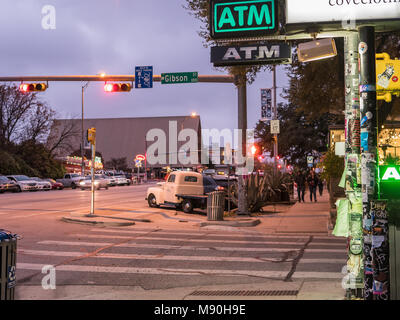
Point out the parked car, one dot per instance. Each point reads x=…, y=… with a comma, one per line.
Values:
x=7, y=185
x=183, y=189
x=122, y=181
x=99, y=182
x=112, y=182
x=70, y=180
x=43, y=184
x=24, y=183
x=55, y=185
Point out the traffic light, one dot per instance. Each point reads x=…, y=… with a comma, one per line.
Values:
x=117, y=87
x=91, y=135
x=253, y=149
x=30, y=87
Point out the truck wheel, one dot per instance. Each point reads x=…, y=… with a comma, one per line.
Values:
x=73, y=186
x=187, y=206
x=151, y=199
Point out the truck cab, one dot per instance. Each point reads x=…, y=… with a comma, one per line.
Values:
x=183, y=189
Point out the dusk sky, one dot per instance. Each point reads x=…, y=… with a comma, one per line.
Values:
x=114, y=36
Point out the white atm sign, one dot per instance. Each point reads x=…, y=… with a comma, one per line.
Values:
x=235, y=19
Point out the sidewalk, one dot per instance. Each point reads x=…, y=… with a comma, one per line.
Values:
x=304, y=217
x=308, y=217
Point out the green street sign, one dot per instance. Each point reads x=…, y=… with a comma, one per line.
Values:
x=232, y=19
x=180, y=77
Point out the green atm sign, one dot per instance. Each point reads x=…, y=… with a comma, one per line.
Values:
x=390, y=181
x=230, y=19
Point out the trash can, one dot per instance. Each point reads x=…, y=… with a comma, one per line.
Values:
x=215, y=206
x=8, y=255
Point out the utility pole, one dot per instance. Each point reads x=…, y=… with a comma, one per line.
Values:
x=354, y=288
x=241, y=83
x=275, y=118
x=375, y=219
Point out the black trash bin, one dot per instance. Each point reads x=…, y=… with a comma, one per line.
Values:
x=8, y=257
x=215, y=206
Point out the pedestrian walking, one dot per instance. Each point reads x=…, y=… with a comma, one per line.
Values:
x=320, y=186
x=312, y=182
x=300, y=181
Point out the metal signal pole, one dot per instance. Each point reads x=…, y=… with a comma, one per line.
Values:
x=275, y=118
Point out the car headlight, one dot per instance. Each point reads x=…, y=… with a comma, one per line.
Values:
x=96, y=182
x=82, y=183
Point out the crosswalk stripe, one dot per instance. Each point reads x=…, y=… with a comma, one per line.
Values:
x=178, y=247
x=121, y=232
x=167, y=271
x=214, y=234
x=167, y=257
x=250, y=242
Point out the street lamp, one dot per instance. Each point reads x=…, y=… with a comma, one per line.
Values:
x=82, y=132
x=193, y=114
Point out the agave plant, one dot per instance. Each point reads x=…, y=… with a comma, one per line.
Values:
x=261, y=190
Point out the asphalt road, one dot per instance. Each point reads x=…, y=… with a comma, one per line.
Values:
x=165, y=253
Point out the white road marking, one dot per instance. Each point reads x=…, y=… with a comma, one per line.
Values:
x=178, y=247
x=214, y=233
x=167, y=257
x=250, y=242
x=218, y=236
x=168, y=271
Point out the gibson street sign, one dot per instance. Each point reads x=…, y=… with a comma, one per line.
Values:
x=231, y=19
x=179, y=77
x=251, y=54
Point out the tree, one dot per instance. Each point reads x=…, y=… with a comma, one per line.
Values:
x=25, y=121
x=318, y=87
x=299, y=136
x=117, y=164
x=61, y=137
x=22, y=116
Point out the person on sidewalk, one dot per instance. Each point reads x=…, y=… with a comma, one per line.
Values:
x=300, y=181
x=312, y=182
x=320, y=186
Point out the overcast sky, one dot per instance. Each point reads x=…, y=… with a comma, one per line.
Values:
x=114, y=36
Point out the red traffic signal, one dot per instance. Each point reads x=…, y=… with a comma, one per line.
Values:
x=30, y=87
x=253, y=149
x=117, y=87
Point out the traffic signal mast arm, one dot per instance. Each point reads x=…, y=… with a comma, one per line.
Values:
x=108, y=78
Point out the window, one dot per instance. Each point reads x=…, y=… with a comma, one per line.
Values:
x=171, y=178
x=190, y=179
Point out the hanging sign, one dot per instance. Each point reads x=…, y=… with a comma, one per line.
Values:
x=280, y=53
x=231, y=19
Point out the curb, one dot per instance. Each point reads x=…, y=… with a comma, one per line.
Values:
x=89, y=221
x=231, y=223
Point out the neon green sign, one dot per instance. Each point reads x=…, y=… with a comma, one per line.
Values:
x=234, y=19
x=391, y=173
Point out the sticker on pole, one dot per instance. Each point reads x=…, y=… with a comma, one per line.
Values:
x=362, y=48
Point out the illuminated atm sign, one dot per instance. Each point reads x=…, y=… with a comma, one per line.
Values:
x=230, y=19
x=390, y=181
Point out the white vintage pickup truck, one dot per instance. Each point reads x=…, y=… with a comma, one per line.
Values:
x=185, y=190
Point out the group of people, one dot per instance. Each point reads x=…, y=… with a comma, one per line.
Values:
x=313, y=181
